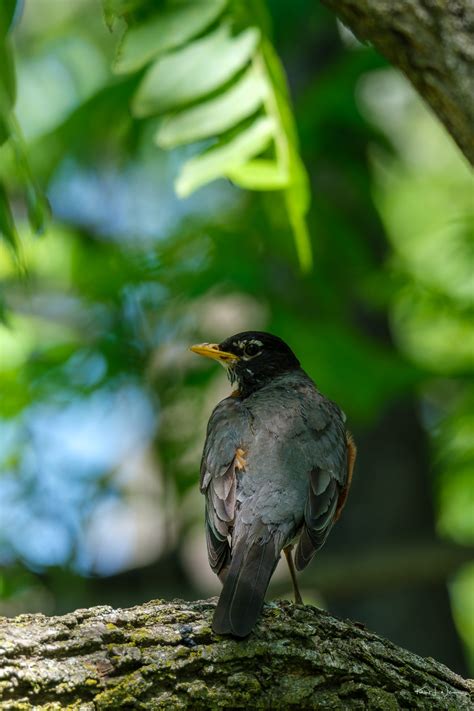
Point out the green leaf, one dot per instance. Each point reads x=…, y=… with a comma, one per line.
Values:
x=297, y=218
x=215, y=116
x=172, y=26
x=205, y=93
x=3, y=311
x=7, y=78
x=7, y=224
x=116, y=9
x=259, y=174
x=9, y=11
x=221, y=160
x=298, y=193
x=194, y=71
x=37, y=204
x=39, y=210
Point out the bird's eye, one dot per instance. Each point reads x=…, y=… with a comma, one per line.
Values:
x=251, y=349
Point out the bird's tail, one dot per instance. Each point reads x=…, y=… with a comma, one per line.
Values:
x=242, y=596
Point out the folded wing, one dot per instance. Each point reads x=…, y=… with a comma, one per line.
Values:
x=218, y=479
x=329, y=479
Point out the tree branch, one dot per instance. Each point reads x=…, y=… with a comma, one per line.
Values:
x=432, y=42
x=164, y=656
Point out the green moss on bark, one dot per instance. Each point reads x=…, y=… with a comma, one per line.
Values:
x=165, y=656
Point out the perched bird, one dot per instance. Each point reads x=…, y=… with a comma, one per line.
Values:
x=276, y=468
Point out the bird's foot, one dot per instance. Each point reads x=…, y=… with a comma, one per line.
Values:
x=289, y=559
x=298, y=598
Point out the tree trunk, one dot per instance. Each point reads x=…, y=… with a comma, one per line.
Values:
x=432, y=42
x=164, y=656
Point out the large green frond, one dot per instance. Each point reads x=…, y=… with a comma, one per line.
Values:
x=211, y=73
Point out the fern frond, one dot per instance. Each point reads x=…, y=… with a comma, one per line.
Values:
x=209, y=79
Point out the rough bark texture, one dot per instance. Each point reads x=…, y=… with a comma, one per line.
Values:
x=163, y=655
x=432, y=42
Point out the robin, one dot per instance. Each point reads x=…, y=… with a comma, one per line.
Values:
x=276, y=470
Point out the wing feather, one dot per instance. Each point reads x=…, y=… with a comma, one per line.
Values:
x=218, y=479
x=328, y=479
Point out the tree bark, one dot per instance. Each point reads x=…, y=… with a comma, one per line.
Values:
x=163, y=655
x=432, y=42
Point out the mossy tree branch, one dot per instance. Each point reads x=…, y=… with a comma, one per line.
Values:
x=163, y=655
x=432, y=42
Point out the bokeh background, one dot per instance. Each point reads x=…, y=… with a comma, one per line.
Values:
x=103, y=408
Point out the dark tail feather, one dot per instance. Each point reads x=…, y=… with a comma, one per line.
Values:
x=244, y=588
x=305, y=549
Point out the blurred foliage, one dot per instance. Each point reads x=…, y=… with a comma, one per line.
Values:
x=11, y=136
x=425, y=197
x=103, y=408
x=215, y=78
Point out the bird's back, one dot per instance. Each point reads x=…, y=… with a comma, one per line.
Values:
x=273, y=487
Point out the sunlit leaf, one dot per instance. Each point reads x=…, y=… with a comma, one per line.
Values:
x=259, y=174
x=297, y=199
x=219, y=161
x=297, y=219
x=297, y=194
x=170, y=27
x=194, y=71
x=213, y=117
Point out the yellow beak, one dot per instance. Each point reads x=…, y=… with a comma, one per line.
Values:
x=211, y=350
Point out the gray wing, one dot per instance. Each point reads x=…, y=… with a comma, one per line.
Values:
x=328, y=478
x=225, y=433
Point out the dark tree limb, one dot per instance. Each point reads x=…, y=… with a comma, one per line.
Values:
x=163, y=655
x=432, y=42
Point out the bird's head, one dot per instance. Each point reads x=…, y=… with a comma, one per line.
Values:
x=252, y=358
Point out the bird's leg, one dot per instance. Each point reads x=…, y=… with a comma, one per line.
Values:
x=289, y=559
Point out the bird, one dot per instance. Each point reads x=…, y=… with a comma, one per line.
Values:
x=276, y=470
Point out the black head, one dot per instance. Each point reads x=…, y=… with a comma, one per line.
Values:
x=252, y=358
